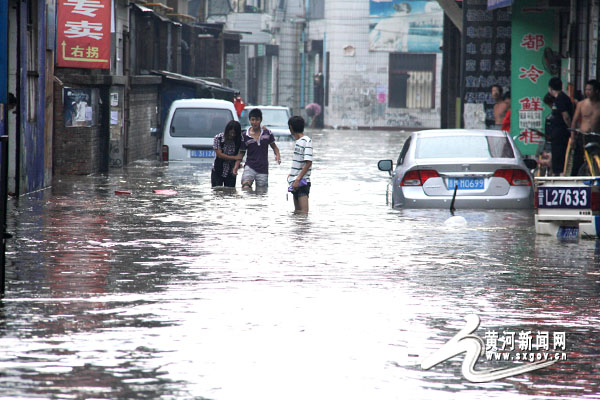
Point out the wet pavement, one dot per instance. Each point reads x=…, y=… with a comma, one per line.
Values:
x=227, y=294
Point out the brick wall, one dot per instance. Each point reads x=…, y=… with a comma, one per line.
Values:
x=143, y=102
x=76, y=150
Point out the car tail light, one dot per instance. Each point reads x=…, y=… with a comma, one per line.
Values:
x=595, y=200
x=165, y=153
x=418, y=177
x=515, y=177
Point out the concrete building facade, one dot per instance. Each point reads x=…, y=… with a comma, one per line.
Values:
x=323, y=55
x=360, y=83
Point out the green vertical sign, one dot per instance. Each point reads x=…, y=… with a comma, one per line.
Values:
x=532, y=45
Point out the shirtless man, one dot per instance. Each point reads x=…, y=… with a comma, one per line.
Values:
x=500, y=107
x=587, y=118
x=587, y=113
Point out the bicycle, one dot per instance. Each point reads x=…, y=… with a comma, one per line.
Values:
x=543, y=156
x=591, y=155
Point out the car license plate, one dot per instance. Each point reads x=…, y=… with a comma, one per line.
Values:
x=465, y=183
x=202, y=153
x=568, y=232
x=563, y=197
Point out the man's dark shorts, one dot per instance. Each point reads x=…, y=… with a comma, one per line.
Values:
x=302, y=191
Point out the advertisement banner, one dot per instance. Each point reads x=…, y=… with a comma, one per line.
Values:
x=413, y=26
x=534, y=63
x=83, y=34
x=78, y=107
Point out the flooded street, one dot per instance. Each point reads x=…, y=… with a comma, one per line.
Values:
x=227, y=294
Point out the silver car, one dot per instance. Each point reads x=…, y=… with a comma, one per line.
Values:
x=460, y=168
x=275, y=118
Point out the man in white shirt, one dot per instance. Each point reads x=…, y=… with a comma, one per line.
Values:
x=299, y=177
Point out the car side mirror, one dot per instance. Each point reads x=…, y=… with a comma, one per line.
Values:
x=153, y=131
x=530, y=163
x=385, y=165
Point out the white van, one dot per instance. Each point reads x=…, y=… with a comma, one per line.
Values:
x=191, y=126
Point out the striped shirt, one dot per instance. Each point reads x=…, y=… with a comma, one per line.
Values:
x=228, y=148
x=303, y=152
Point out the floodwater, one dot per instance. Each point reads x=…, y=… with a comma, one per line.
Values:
x=227, y=294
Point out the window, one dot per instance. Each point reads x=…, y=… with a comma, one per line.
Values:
x=317, y=9
x=464, y=147
x=403, y=152
x=199, y=122
x=411, y=80
x=32, y=61
x=218, y=8
x=272, y=117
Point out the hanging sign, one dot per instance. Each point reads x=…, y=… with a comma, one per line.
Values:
x=83, y=34
x=532, y=33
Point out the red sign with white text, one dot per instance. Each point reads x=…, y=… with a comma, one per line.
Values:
x=83, y=34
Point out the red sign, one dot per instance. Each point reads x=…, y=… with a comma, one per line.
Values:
x=531, y=104
x=533, y=73
x=533, y=41
x=528, y=136
x=83, y=34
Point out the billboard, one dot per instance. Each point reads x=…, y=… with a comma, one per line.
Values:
x=410, y=26
x=83, y=34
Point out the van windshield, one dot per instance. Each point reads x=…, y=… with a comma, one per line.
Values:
x=199, y=122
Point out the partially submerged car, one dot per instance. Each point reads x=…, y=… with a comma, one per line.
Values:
x=191, y=126
x=464, y=168
x=275, y=118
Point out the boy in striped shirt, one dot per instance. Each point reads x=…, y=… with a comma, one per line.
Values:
x=299, y=177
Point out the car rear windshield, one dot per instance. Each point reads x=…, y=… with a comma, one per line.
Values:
x=199, y=122
x=468, y=146
x=273, y=118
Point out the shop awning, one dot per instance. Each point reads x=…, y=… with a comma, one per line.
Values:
x=149, y=11
x=217, y=91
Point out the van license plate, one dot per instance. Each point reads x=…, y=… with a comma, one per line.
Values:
x=568, y=232
x=202, y=153
x=465, y=183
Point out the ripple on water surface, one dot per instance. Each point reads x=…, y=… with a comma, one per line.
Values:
x=226, y=294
